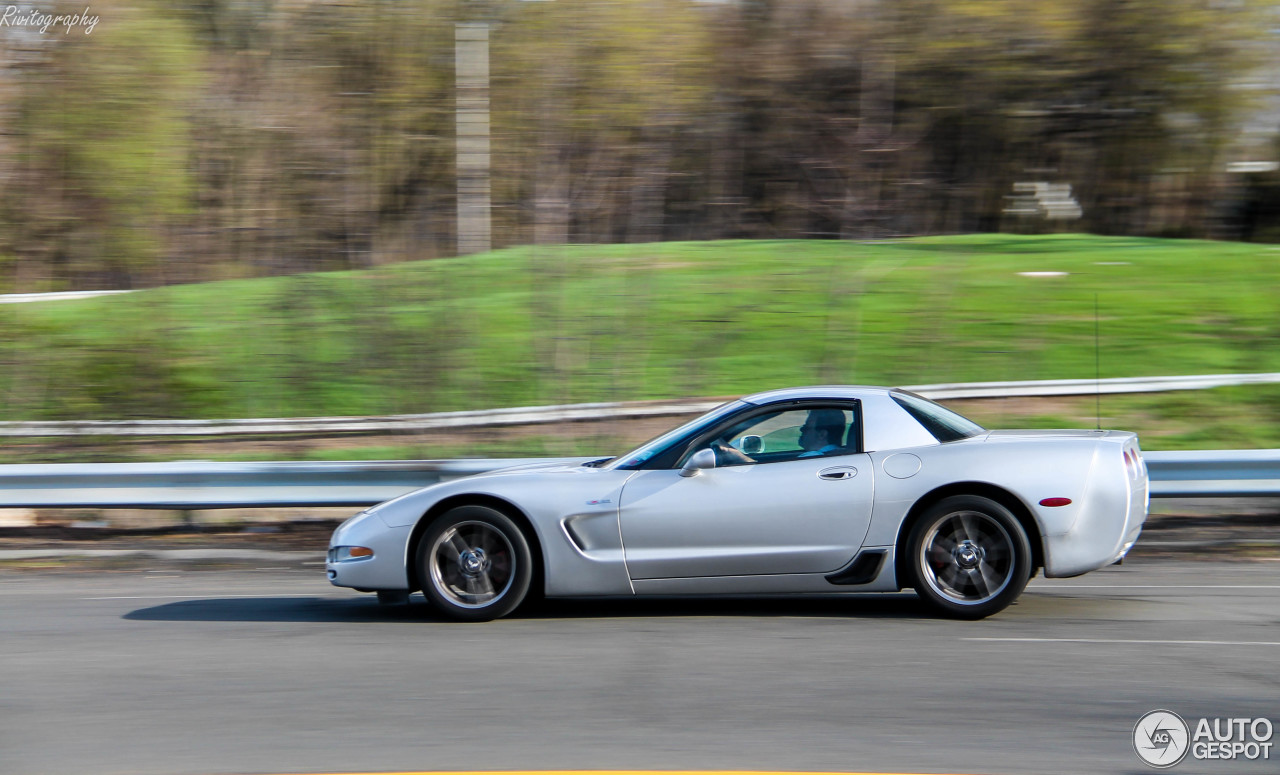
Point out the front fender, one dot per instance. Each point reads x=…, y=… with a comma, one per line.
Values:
x=572, y=512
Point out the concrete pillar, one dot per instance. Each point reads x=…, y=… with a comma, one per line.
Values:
x=471, y=47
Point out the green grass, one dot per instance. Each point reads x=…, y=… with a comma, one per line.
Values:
x=619, y=322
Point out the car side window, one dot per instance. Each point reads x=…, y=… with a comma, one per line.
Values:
x=787, y=434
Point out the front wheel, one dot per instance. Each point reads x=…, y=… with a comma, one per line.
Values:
x=969, y=557
x=474, y=564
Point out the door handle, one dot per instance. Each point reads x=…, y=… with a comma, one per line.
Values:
x=841, y=472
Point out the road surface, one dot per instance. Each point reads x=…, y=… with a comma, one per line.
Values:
x=275, y=671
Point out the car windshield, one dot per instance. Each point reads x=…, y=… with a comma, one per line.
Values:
x=944, y=424
x=637, y=457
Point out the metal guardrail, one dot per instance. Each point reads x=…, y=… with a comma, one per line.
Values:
x=206, y=485
x=1198, y=474
x=522, y=415
x=619, y=410
x=1089, y=387
x=1235, y=473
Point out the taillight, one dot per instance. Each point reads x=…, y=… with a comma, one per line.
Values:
x=1131, y=462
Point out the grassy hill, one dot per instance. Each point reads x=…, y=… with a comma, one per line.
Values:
x=617, y=322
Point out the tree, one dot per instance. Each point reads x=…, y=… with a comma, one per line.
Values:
x=101, y=170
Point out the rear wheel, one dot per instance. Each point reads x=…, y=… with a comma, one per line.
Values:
x=474, y=563
x=969, y=557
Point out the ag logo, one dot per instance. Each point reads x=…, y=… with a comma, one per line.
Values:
x=1161, y=738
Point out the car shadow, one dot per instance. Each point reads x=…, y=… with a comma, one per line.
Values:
x=366, y=609
x=880, y=606
x=279, y=609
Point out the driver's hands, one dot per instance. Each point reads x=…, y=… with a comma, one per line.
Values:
x=727, y=455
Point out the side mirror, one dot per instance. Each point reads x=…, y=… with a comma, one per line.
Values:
x=700, y=460
x=752, y=445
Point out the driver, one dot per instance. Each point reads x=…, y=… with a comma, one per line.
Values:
x=820, y=434
x=822, y=431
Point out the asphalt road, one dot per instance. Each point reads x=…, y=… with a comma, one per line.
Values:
x=274, y=671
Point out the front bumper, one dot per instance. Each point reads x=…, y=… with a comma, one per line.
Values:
x=386, y=568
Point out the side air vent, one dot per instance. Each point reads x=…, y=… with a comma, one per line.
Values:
x=575, y=535
x=863, y=570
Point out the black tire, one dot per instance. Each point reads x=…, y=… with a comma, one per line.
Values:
x=968, y=557
x=474, y=564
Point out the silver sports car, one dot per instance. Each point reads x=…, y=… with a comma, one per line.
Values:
x=805, y=490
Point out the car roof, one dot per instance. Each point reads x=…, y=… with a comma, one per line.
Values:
x=816, y=391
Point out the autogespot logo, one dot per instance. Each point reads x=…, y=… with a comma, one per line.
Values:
x=1162, y=739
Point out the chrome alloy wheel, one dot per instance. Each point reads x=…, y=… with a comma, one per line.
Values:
x=967, y=557
x=472, y=564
